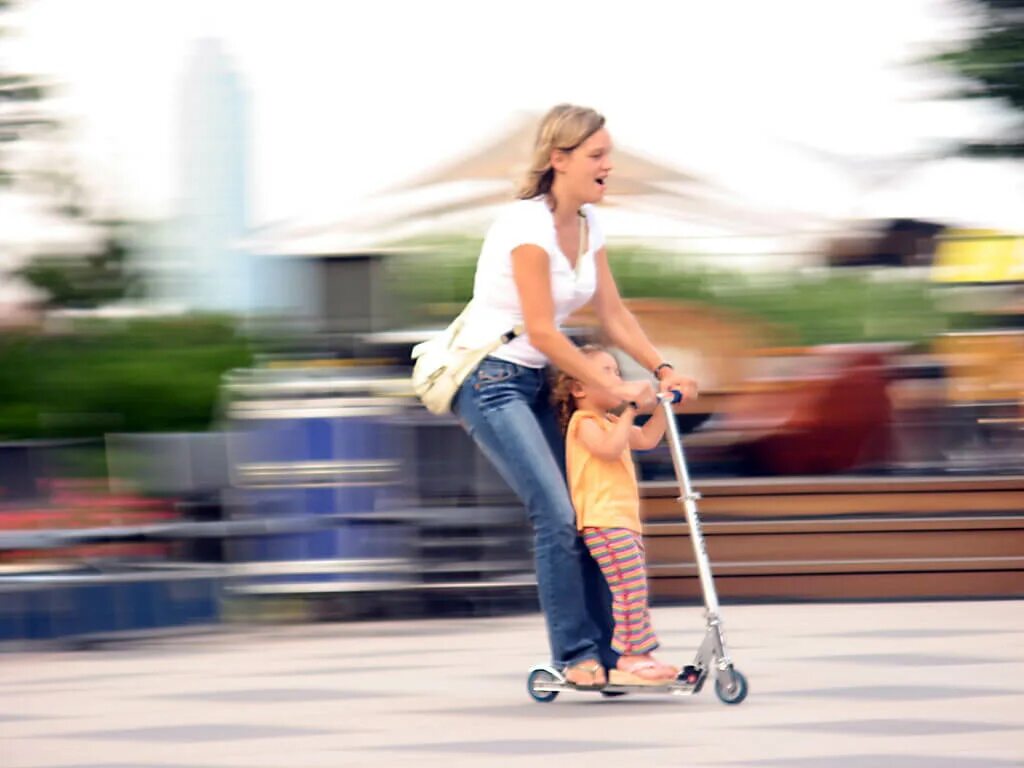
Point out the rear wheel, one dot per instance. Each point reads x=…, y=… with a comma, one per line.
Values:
x=540, y=677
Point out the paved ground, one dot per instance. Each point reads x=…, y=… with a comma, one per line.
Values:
x=914, y=685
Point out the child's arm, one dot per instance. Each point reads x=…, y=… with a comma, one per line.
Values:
x=608, y=445
x=649, y=435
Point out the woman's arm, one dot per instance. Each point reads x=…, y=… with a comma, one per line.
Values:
x=532, y=273
x=624, y=330
x=618, y=322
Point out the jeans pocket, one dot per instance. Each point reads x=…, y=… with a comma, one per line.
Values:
x=492, y=371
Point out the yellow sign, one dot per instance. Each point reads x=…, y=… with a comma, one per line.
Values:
x=979, y=256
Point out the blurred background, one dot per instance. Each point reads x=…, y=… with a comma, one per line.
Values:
x=223, y=226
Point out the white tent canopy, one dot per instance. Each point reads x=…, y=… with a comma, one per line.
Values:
x=646, y=201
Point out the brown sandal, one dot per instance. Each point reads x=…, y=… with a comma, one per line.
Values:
x=596, y=677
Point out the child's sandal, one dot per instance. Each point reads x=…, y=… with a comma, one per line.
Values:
x=629, y=676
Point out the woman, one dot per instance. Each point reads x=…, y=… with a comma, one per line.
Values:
x=542, y=259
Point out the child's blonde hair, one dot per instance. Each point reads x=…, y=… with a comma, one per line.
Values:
x=561, y=392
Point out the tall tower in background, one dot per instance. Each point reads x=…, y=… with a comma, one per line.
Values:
x=215, y=274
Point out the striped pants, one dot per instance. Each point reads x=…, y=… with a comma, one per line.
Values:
x=619, y=553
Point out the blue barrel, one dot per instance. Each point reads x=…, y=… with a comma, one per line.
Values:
x=317, y=456
x=82, y=604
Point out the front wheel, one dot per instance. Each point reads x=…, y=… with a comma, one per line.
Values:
x=540, y=677
x=735, y=693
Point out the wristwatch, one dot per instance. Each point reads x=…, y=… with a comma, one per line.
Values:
x=657, y=370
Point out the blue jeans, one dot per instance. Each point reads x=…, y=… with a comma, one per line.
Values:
x=506, y=408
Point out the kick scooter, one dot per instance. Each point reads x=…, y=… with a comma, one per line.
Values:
x=545, y=682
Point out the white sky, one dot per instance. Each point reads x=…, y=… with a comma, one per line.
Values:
x=349, y=97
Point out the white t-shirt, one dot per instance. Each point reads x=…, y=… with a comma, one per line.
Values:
x=495, y=306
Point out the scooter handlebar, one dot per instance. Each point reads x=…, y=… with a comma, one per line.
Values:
x=674, y=396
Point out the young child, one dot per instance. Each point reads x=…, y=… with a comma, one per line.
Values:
x=603, y=485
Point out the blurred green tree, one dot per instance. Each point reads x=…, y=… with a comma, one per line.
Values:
x=33, y=164
x=90, y=279
x=992, y=61
x=435, y=280
x=100, y=376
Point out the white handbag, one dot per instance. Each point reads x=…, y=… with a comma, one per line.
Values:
x=441, y=365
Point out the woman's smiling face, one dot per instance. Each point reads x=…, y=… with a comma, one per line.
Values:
x=585, y=169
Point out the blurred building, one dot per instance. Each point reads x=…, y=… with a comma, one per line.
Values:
x=896, y=216
x=200, y=264
x=887, y=243
x=327, y=272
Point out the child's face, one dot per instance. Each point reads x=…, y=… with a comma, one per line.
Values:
x=596, y=398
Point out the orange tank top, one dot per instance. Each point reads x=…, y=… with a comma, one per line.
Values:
x=604, y=492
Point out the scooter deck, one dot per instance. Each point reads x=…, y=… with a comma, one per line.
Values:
x=689, y=682
x=676, y=688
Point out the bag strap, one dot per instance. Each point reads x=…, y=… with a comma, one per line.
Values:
x=584, y=237
x=511, y=335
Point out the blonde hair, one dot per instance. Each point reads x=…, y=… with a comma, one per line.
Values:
x=561, y=391
x=563, y=128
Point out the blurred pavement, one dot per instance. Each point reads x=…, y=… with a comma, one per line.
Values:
x=895, y=685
